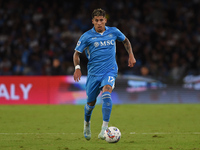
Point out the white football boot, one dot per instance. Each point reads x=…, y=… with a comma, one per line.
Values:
x=87, y=132
x=101, y=134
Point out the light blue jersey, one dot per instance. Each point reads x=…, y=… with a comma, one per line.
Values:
x=100, y=49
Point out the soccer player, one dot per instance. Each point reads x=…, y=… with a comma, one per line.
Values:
x=100, y=49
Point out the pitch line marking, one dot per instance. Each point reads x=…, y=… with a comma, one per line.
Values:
x=34, y=133
x=96, y=133
x=166, y=133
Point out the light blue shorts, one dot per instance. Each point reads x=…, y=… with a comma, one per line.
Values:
x=95, y=84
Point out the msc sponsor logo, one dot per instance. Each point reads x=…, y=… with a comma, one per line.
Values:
x=104, y=43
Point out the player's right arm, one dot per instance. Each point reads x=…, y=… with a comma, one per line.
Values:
x=76, y=60
x=80, y=47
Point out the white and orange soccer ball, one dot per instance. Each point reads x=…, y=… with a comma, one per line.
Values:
x=112, y=135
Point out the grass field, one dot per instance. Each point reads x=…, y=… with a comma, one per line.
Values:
x=60, y=127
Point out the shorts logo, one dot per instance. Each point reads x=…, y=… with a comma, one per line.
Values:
x=96, y=44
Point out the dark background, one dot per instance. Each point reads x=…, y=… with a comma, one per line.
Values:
x=38, y=37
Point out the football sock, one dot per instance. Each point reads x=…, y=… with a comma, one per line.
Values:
x=88, y=111
x=105, y=124
x=107, y=106
x=86, y=123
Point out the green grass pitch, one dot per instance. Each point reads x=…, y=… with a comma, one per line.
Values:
x=60, y=127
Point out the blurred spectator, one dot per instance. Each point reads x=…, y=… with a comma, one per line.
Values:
x=5, y=66
x=56, y=68
x=144, y=71
x=165, y=35
x=18, y=68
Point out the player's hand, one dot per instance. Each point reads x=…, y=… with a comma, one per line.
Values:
x=131, y=60
x=77, y=75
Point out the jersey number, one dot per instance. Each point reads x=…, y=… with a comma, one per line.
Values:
x=110, y=79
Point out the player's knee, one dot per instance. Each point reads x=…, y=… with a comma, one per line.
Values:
x=91, y=103
x=88, y=109
x=107, y=88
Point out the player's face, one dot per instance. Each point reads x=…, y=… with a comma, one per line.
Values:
x=99, y=23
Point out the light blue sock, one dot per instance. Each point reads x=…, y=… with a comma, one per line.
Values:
x=88, y=111
x=107, y=106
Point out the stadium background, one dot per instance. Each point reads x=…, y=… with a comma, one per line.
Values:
x=37, y=41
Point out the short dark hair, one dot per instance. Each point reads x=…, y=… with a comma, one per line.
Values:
x=98, y=12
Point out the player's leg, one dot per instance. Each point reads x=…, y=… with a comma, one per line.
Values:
x=107, y=104
x=92, y=91
x=88, y=111
x=108, y=85
x=106, y=109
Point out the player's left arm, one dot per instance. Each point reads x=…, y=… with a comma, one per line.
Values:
x=128, y=47
x=77, y=72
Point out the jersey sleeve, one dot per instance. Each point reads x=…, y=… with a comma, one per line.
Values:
x=120, y=36
x=81, y=44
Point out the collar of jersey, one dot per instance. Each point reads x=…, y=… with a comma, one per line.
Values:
x=93, y=30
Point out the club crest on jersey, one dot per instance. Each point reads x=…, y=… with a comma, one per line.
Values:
x=96, y=44
x=110, y=35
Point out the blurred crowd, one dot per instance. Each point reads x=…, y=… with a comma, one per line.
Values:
x=38, y=37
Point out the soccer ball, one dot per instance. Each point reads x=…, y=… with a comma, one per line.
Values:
x=112, y=135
